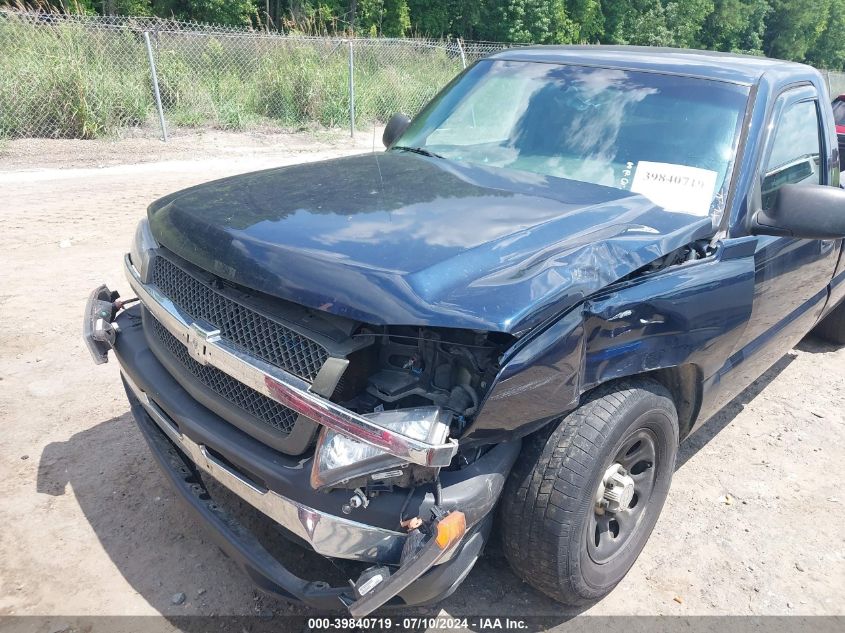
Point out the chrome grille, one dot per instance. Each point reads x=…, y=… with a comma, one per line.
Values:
x=264, y=338
x=254, y=403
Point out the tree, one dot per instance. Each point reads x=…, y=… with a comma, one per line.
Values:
x=445, y=18
x=750, y=38
x=126, y=7
x=736, y=26
x=234, y=12
x=685, y=20
x=430, y=17
x=654, y=22
x=397, y=18
x=389, y=18
x=793, y=27
x=641, y=22
x=801, y=30
x=527, y=21
x=829, y=49
x=587, y=19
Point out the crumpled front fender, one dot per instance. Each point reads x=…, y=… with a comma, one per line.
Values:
x=540, y=380
x=688, y=314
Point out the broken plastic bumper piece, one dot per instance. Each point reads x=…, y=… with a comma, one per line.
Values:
x=376, y=587
x=98, y=331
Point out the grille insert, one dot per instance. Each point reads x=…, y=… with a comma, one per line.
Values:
x=256, y=404
x=254, y=333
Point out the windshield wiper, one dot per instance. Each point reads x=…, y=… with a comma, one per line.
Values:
x=418, y=150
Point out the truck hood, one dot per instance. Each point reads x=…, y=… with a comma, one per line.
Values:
x=402, y=239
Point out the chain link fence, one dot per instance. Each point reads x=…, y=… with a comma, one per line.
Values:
x=85, y=77
x=72, y=76
x=835, y=82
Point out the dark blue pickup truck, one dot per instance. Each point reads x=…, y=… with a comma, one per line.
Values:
x=565, y=264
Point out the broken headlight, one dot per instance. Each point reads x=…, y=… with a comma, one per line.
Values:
x=142, y=249
x=340, y=461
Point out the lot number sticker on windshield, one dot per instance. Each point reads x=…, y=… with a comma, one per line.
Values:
x=676, y=187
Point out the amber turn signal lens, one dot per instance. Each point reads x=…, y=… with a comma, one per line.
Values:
x=451, y=529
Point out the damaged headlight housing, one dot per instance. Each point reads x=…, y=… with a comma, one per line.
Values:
x=141, y=252
x=340, y=461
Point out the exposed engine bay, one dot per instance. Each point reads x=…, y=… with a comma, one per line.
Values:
x=452, y=369
x=425, y=383
x=405, y=368
x=411, y=367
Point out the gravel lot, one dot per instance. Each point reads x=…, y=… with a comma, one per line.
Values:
x=753, y=524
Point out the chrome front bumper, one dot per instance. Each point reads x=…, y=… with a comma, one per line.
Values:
x=201, y=438
x=328, y=534
x=420, y=579
x=206, y=346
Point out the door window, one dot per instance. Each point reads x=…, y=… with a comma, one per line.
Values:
x=796, y=151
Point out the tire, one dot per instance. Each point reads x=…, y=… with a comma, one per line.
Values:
x=548, y=509
x=832, y=327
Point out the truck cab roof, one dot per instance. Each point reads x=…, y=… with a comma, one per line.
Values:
x=730, y=67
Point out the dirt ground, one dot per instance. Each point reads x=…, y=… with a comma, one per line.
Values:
x=753, y=524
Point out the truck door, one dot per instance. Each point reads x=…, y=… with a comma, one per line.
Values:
x=792, y=275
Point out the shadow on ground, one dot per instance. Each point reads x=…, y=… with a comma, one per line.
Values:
x=161, y=551
x=815, y=345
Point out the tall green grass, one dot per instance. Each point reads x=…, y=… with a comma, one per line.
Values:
x=64, y=80
x=67, y=82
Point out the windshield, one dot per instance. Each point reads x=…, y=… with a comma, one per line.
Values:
x=671, y=138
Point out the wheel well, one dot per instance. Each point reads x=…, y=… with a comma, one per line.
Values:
x=684, y=383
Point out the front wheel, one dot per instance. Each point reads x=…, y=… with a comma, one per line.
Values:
x=582, y=501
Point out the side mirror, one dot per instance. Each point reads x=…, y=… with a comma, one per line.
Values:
x=813, y=212
x=397, y=124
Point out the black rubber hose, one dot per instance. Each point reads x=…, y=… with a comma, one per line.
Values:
x=405, y=505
